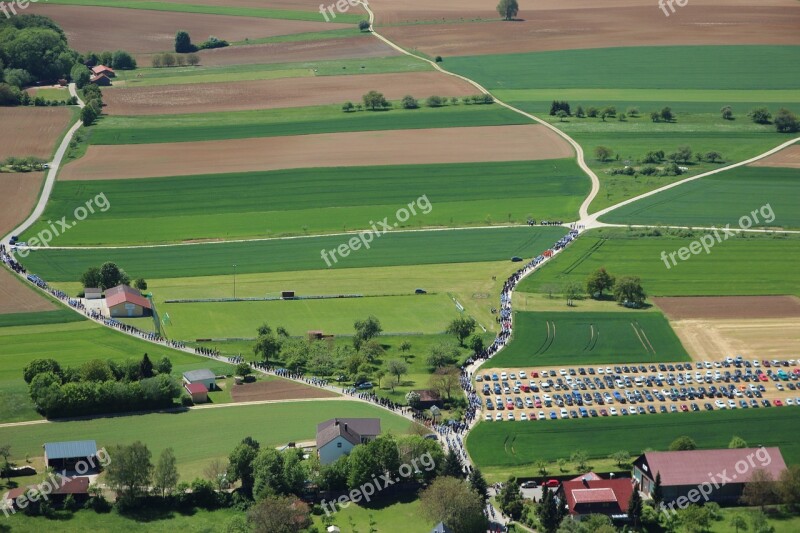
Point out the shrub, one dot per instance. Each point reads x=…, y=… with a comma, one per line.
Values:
x=122, y=60
x=786, y=121
x=434, y=101
x=213, y=42
x=363, y=25
x=760, y=115
x=438, y=59
x=409, y=102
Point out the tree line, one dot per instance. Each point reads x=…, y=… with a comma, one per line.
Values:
x=376, y=101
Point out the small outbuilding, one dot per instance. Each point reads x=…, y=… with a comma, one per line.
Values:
x=203, y=376
x=197, y=391
x=429, y=398
x=66, y=455
x=126, y=302
x=92, y=293
x=102, y=70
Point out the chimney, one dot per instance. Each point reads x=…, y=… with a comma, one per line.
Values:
x=585, y=481
x=345, y=427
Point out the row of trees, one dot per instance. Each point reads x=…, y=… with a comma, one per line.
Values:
x=627, y=289
x=168, y=59
x=376, y=101
x=785, y=121
x=100, y=386
x=183, y=43
x=23, y=164
x=109, y=275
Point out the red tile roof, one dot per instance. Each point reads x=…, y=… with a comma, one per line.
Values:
x=591, y=491
x=124, y=294
x=99, y=69
x=692, y=467
x=593, y=495
x=195, y=388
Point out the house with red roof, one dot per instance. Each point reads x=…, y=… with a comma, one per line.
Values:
x=590, y=494
x=198, y=392
x=123, y=301
x=102, y=70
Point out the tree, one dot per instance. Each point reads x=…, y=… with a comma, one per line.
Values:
x=183, y=43
x=413, y=399
x=366, y=330
x=541, y=466
x=146, y=367
x=603, y=153
x=622, y=457
x=476, y=344
x=374, y=100
x=409, y=102
x=111, y=275
x=713, y=157
x=667, y=115
x=96, y=370
x=510, y=499
x=738, y=522
x=267, y=345
x=598, y=281
x=397, y=368
x=444, y=380
x=629, y=289
x=240, y=464
x=88, y=116
x=452, y=465
x=363, y=25
x=562, y=463
x=40, y=366
x=5, y=453
x=658, y=490
x=216, y=473
x=579, y=112
x=655, y=116
x=548, y=512
x=165, y=475
x=571, y=291
x=508, y=9
x=405, y=346
x=347, y=107
x=737, y=442
x=435, y=101
x=122, y=60
x=759, y=524
x=607, y=111
x=442, y=354
x=579, y=458
x=130, y=472
x=635, y=506
x=80, y=75
x=164, y=365
x=454, y=503
x=789, y=486
x=760, y=115
x=478, y=483
x=279, y=514
x=761, y=490
x=726, y=112
x=786, y=121
x=462, y=327
x=362, y=466
x=682, y=443
x=561, y=114
x=243, y=369
x=192, y=60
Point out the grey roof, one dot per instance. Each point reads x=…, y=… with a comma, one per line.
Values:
x=441, y=528
x=198, y=375
x=330, y=433
x=362, y=426
x=70, y=449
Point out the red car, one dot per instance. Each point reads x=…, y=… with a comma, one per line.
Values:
x=684, y=408
x=510, y=405
x=763, y=377
x=603, y=412
x=765, y=363
x=552, y=483
x=534, y=374
x=777, y=403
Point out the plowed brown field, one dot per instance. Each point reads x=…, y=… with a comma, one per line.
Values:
x=15, y=297
x=729, y=307
x=788, y=158
x=424, y=146
x=279, y=389
x=35, y=130
x=18, y=196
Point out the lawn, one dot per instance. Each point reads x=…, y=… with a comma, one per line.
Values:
x=656, y=67
x=200, y=435
x=290, y=121
x=147, y=77
x=721, y=199
x=41, y=317
x=276, y=203
x=393, y=515
x=399, y=314
x=257, y=12
x=522, y=443
x=72, y=344
x=542, y=339
x=745, y=265
x=280, y=255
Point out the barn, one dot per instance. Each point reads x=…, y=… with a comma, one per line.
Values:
x=203, y=376
x=126, y=302
x=66, y=455
x=197, y=391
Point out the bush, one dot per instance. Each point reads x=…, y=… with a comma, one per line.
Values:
x=409, y=102
x=648, y=170
x=9, y=95
x=760, y=115
x=183, y=43
x=434, y=101
x=438, y=59
x=122, y=60
x=363, y=25
x=88, y=115
x=213, y=42
x=786, y=122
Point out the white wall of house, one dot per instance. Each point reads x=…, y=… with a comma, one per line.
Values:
x=333, y=450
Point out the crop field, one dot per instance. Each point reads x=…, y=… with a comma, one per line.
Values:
x=71, y=344
x=271, y=425
x=290, y=121
x=721, y=199
x=413, y=314
x=740, y=266
x=56, y=316
x=280, y=255
x=37, y=130
x=657, y=67
x=589, y=338
x=521, y=443
x=259, y=204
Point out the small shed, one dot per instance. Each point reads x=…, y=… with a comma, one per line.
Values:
x=197, y=391
x=428, y=398
x=92, y=293
x=66, y=455
x=204, y=376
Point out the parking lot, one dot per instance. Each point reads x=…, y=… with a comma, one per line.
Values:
x=541, y=394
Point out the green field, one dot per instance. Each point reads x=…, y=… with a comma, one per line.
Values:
x=305, y=36
x=290, y=121
x=280, y=255
x=200, y=435
x=657, y=67
x=522, y=443
x=745, y=265
x=398, y=314
x=148, y=77
x=543, y=339
x=275, y=203
x=257, y=12
x=57, y=316
x=72, y=344
x=721, y=199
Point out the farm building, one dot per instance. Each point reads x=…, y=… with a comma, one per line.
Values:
x=686, y=471
x=78, y=487
x=592, y=495
x=337, y=436
x=101, y=80
x=102, y=70
x=428, y=398
x=92, y=293
x=127, y=302
x=65, y=455
x=203, y=376
x=198, y=392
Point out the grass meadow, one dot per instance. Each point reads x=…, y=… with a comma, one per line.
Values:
x=721, y=199
x=296, y=254
x=276, y=203
x=744, y=265
x=72, y=344
x=257, y=12
x=57, y=316
x=290, y=121
x=543, y=339
x=504, y=444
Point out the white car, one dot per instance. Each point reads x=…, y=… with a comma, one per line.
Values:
x=541, y=416
x=719, y=404
x=731, y=404
x=523, y=416
x=633, y=411
x=498, y=416
x=563, y=371
x=489, y=417
x=600, y=370
x=511, y=416
x=522, y=374
x=564, y=413
x=503, y=376
x=789, y=401
x=612, y=411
